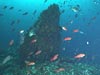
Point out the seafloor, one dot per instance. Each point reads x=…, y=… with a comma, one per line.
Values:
x=12, y=68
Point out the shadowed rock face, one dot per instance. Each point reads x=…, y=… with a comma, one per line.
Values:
x=47, y=34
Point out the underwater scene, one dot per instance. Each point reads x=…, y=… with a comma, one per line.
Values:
x=49, y=37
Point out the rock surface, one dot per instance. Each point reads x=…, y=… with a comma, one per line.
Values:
x=44, y=35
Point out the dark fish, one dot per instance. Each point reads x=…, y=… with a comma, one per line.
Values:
x=61, y=6
x=4, y=7
x=89, y=23
x=1, y=14
x=63, y=11
x=18, y=21
x=25, y=13
x=45, y=1
x=13, y=29
x=34, y=12
x=75, y=9
x=12, y=23
x=93, y=18
x=78, y=6
x=64, y=2
x=11, y=8
x=76, y=15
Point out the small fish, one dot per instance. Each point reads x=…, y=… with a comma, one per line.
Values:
x=45, y=1
x=79, y=56
x=18, y=21
x=22, y=36
x=38, y=52
x=76, y=15
x=67, y=38
x=76, y=30
x=34, y=12
x=78, y=5
x=61, y=6
x=31, y=33
x=64, y=48
x=12, y=23
x=60, y=70
x=71, y=21
x=75, y=9
x=55, y=57
x=93, y=18
x=87, y=42
x=11, y=8
x=81, y=32
x=4, y=7
x=33, y=41
x=29, y=63
x=11, y=42
x=25, y=13
x=97, y=2
x=63, y=11
x=13, y=29
x=64, y=2
x=21, y=31
x=6, y=59
x=64, y=28
x=30, y=53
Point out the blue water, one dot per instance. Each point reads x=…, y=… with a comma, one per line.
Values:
x=89, y=9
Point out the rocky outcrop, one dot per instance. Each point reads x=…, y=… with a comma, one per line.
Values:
x=43, y=36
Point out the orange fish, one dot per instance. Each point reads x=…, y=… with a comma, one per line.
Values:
x=54, y=57
x=59, y=70
x=38, y=52
x=67, y=38
x=79, y=56
x=11, y=42
x=76, y=30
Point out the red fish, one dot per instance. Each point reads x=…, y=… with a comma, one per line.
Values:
x=79, y=56
x=54, y=57
x=76, y=30
x=67, y=38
